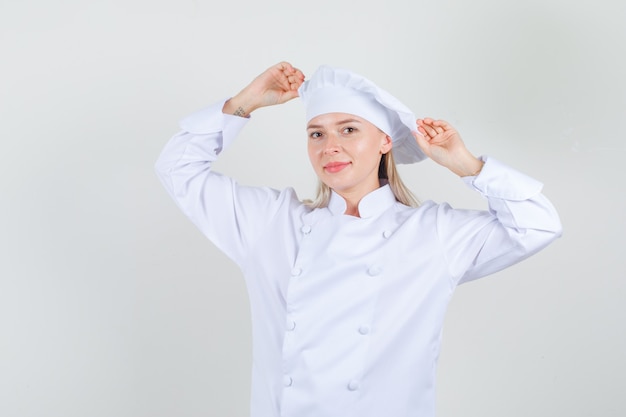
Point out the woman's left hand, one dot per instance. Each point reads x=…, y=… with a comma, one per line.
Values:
x=442, y=143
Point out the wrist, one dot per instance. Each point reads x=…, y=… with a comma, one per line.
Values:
x=239, y=105
x=472, y=170
x=467, y=165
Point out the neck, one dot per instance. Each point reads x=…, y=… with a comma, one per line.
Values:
x=352, y=209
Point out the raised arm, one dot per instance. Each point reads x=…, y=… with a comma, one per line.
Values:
x=230, y=215
x=520, y=221
x=276, y=85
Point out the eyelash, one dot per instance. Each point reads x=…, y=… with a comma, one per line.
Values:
x=317, y=135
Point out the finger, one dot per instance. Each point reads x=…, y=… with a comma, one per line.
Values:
x=295, y=86
x=296, y=78
x=421, y=142
x=285, y=66
x=427, y=124
x=442, y=124
x=283, y=80
x=435, y=127
x=299, y=73
x=421, y=125
x=430, y=131
x=286, y=71
x=295, y=82
x=423, y=132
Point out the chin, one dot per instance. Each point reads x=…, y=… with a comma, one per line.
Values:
x=336, y=185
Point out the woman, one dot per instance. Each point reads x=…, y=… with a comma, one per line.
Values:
x=348, y=293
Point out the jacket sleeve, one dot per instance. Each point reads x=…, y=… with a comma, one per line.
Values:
x=520, y=222
x=230, y=215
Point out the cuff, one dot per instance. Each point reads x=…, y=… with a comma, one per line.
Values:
x=211, y=119
x=501, y=181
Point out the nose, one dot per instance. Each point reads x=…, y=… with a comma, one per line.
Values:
x=332, y=145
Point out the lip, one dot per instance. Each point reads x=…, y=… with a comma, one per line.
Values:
x=333, y=167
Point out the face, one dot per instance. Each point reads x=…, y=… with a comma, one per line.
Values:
x=345, y=152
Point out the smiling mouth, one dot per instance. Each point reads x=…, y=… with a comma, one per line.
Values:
x=334, y=167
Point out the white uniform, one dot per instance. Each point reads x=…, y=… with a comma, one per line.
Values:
x=347, y=312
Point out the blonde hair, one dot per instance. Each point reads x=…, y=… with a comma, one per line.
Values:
x=387, y=174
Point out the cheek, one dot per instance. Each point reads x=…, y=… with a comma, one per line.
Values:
x=367, y=149
x=312, y=152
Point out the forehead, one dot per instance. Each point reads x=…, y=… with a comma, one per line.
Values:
x=333, y=119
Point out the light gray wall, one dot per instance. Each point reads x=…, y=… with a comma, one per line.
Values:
x=112, y=304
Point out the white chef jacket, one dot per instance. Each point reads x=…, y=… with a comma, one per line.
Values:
x=347, y=312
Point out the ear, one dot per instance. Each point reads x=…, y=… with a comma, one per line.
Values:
x=386, y=144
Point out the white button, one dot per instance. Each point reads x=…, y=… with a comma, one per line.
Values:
x=364, y=329
x=291, y=325
x=386, y=234
x=306, y=229
x=287, y=381
x=353, y=385
x=374, y=270
x=295, y=272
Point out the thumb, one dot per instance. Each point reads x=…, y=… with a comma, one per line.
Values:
x=291, y=94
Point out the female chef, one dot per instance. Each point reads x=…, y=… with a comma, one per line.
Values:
x=348, y=293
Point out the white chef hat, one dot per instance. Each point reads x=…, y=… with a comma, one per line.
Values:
x=336, y=90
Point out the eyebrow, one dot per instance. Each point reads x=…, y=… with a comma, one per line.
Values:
x=341, y=122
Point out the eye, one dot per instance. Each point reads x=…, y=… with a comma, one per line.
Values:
x=315, y=135
x=349, y=130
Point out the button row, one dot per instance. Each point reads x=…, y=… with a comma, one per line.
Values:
x=306, y=229
x=371, y=271
x=290, y=325
x=353, y=385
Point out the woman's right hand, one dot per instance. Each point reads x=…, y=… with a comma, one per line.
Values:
x=276, y=85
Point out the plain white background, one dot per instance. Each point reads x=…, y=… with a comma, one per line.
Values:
x=112, y=304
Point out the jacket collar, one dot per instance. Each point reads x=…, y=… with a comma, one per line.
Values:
x=372, y=204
